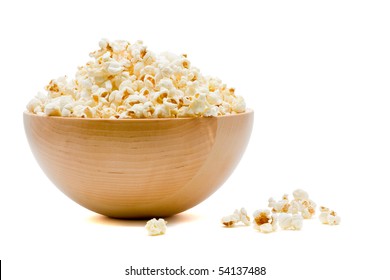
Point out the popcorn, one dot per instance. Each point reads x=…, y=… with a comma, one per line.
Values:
x=293, y=222
x=296, y=222
x=264, y=221
x=328, y=216
x=230, y=221
x=294, y=207
x=125, y=80
x=299, y=194
x=307, y=208
x=156, y=227
x=280, y=206
x=238, y=216
x=52, y=109
x=271, y=202
x=244, y=218
x=35, y=105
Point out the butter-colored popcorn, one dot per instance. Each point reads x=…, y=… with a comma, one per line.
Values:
x=264, y=221
x=333, y=218
x=328, y=216
x=281, y=206
x=52, y=109
x=125, y=80
x=230, y=220
x=156, y=227
x=238, y=216
x=307, y=208
x=306, y=205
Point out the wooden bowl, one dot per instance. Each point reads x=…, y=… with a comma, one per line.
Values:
x=138, y=168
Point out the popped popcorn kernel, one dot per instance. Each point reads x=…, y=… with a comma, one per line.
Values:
x=229, y=221
x=264, y=221
x=280, y=206
x=244, y=218
x=292, y=222
x=156, y=227
x=126, y=80
x=294, y=207
x=238, y=216
x=299, y=194
x=307, y=208
x=328, y=216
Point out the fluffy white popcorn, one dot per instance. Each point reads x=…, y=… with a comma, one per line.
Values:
x=52, y=109
x=238, y=216
x=299, y=194
x=265, y=228
x=125, y=80
x=294, y=207
x=281, y=206
x=156, y=227
x=306, y=205
x=244, y=218
x=300, y=204
x=293, y=222
x=271, y=202
x=333, y=219
x=35, y=105
x=230, y=220
x=284, y=221
x=307, y=208
x=264, y=221
x=296, y=222
x=328, y=216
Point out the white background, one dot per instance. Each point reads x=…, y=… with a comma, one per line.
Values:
x=316, y=74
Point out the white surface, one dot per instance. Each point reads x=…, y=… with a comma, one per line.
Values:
x=315, y=72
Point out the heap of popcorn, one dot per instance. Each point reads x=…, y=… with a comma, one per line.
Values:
x=126, y=80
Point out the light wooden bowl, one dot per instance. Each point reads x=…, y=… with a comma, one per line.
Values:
x=138, y=168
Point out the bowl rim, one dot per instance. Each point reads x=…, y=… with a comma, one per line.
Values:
x=248, y=111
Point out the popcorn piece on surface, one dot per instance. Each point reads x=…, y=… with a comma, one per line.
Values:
x=264, y=221
x=294, y=207
x=156, y=227
x=124, y=81
x=230, y=221
x=285, y=221
x=280, y=206
x=271, y=202
x=299, y=194
x=296, y=222
x=328, y=216
x=300, y=204
x=265, y=228
x=333, y=218
x=307, y=208
x=238, y=216
x=293, y=222
x=244, y=218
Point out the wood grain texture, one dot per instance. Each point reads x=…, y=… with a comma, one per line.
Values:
x=138, y=168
